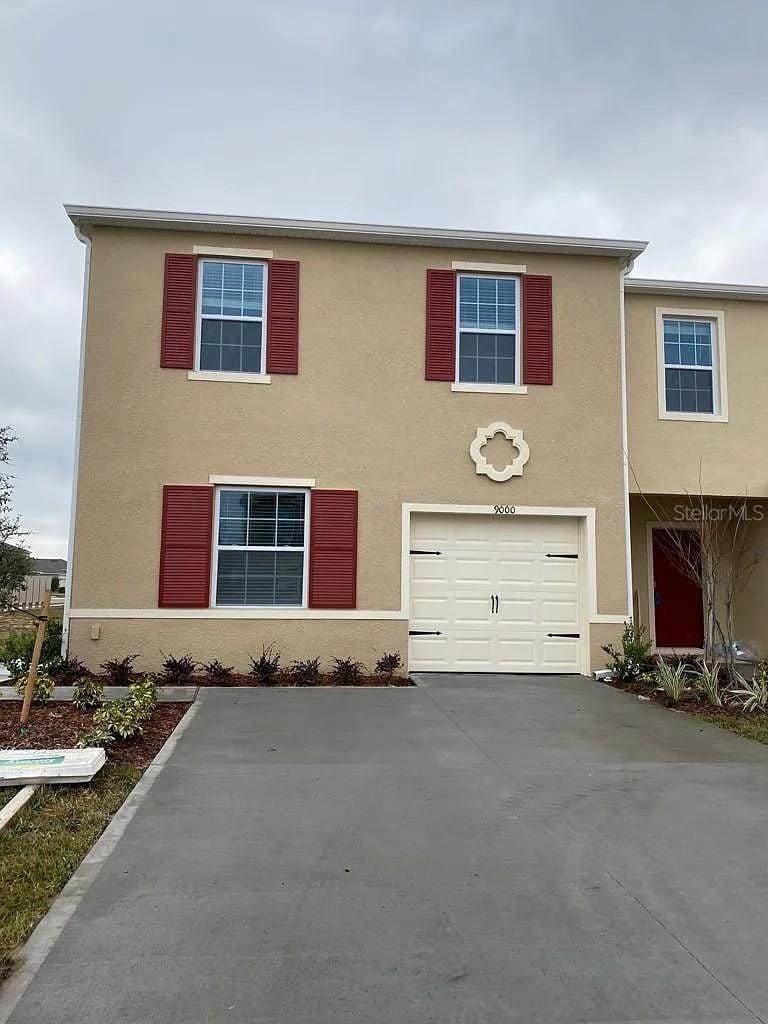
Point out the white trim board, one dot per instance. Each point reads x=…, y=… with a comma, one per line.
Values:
x=225, y=377
x=489, y=268
x=242, y=254
x=260, y=481
x=235, y=613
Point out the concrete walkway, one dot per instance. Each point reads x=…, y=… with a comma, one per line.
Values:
x=479, y=849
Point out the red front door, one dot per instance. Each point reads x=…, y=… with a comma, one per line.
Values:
x=678, y=606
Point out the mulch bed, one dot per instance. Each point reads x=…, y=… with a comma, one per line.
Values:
x=58, y=723
x=281, y=679
x=692, y=704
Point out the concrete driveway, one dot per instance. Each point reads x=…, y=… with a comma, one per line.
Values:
x=478, y=849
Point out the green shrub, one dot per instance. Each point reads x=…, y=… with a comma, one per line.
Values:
x=346, y=671
x=265, y=668
x=143, y=695
x=751, y=695
x=389, y=665
x=96, y=736
x=120, y=671
x=87, y=693
x=672, y=678
x=707, y=678
x=217, y=672
x=178, y=671
x=43, y=689
x=634, y=659
x=16, y=649
x=122, y=718
x=50, y=655
x=306, y=673
x=69, y=671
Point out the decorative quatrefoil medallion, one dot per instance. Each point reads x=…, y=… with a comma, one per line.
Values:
x=483, y=436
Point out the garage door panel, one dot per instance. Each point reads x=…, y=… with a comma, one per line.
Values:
x=504, y=556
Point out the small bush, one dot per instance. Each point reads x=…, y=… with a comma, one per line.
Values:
x=178, y=671
x=121, y=718
x=672, y=679
x=751, y=695
x=707, y=678
x=43, y=689
x=306, y=673
x=96, y=736
x=50, y=655
x=265, y=668
x=143, y=696
x=16, y=652
x=120, y=671
x=88, y=693
x=69, y=671
x=217, y=672
x=389, y=665
x=634, y=659
x=346, y=672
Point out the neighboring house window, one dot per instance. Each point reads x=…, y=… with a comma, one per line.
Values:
x=488, y=351
x=261, y=547
x=689, y=366
x=232, y=316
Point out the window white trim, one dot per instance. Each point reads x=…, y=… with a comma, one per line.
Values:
x=491, y=389
x=228, y=375
x=649, y=528
x=719, y=376
x=489, y=268
x=304, y=548
x=241, y=254
x=481, y=386
x=260, y=481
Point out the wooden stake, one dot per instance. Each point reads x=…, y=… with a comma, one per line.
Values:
x=42, y=622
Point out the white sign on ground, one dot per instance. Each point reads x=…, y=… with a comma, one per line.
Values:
x=25, y=767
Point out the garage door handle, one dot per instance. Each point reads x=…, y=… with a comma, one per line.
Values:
x=417, y=551
x=571, y=636
x=562, y=556
x=494, y=603
x=424, y=632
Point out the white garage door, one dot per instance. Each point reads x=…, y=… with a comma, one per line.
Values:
x=494, y=593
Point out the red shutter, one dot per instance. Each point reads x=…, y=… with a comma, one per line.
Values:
x=333, y=549
x=177, y=347
x=283, y=316
x=441, y=325
x=537, y=329
x=185, y=547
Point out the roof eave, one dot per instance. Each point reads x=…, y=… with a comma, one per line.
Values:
x=86, y=217
x=697, y=289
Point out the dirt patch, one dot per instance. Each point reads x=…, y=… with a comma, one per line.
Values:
x=58, y=724
x=692, y=703
x=281, y=679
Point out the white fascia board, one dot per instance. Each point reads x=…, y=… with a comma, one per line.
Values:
x=85, y=217
x=703, y=289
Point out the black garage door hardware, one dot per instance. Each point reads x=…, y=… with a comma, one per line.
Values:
x=562, y=556
x=417, y=551
x=424, y=632
x=572, y=636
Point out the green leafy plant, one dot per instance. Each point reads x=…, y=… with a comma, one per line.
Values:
x=751, y=695
x=96, y=736
x=634, y=659
x=178, y=671
x=120, y=671
x=69, y=671
x=306, y=673
x=121, y=718
x=16, y=652
x=672, y=678
x=266, y=667
x=88, y=693
x=143, y=696
x=389, y=665
x=707, y=678
x=217, y=672
x=43, y=689
x=346, y=671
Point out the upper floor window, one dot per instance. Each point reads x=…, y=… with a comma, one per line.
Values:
x=692, y=368
x=260, y=551
x=232, y=306
x=488, y=349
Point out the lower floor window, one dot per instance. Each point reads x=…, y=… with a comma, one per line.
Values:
x=261, y=547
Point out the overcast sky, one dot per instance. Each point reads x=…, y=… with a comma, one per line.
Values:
x=631, y=120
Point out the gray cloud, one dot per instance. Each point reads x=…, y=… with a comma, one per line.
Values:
x=590, y=117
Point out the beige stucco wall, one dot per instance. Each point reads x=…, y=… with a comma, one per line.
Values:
x=358, y=415
x=666, y=454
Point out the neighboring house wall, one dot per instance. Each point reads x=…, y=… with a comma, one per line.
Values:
x=667, y=455
x=359, y=414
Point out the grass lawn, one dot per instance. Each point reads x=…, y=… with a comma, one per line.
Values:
x=752, y=727
x=46, y=841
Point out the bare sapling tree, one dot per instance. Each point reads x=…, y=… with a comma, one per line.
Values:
x=718, y=549
x=15, y=562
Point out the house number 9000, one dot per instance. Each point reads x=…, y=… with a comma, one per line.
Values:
x=504, y=510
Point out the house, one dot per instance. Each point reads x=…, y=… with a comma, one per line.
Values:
x=350, y=439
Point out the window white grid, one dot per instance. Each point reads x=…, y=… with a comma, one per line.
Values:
x=690, y=363
x=495, y=347
x=302, y=549
x=223, y=318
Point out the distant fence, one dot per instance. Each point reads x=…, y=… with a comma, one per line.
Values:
x=32, y=593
